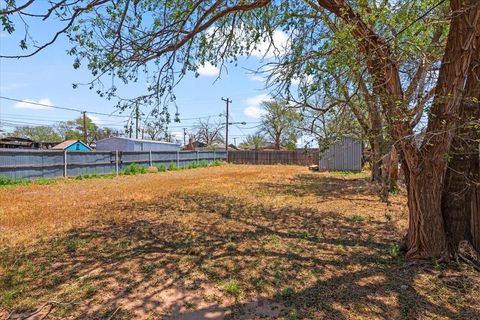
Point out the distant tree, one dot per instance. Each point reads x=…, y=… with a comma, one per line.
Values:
x=254, y=141
x=156, y=124
x=155, y=129
x=40, y=134
x=281, y=123
x=73, y=130
x=209, y=132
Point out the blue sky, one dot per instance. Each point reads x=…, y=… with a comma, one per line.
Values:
x=48, y=77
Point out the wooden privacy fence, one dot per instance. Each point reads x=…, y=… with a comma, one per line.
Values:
x=30, y=164
x=298, y=157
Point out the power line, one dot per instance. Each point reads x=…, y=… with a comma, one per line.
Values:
x=62, y=108
x=426, y=13
x=93, y=112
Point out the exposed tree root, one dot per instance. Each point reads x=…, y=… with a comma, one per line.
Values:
x=469, y=255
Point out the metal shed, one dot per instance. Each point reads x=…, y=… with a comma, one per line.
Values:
x=343, y=155
x=129, y=144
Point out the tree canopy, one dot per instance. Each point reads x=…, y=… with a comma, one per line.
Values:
x=39, y=134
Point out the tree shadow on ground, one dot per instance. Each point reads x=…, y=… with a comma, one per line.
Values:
x=324, y=187
x=205, y=255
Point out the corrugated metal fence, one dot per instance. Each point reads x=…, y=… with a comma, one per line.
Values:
x=345, y=154
x=299, y=157
x=30, y=164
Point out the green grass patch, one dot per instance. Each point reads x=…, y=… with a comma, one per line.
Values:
x=95, y=176
x=172, y=166
x=356, y=218
x=287, y=293
x=232, y=287
x=346, y=173
x=9, y=182
x=217, y=163
x=5, y=181
x=133, y=169
x=161, y=168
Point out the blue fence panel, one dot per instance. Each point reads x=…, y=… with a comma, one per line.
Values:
x=31, y=164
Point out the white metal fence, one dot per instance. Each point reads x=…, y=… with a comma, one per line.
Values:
x=31, y=164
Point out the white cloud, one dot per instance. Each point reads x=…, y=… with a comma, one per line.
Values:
x=208, y=70
x=96, y=119
x=29, y=104
x=277, y=45
x=305, y=80
x=254, y=106
x=256, y=77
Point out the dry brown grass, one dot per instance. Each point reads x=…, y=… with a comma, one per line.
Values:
x=226, y=242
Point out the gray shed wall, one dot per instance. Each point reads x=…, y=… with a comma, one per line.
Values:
x=345, y=155
x=112, y=144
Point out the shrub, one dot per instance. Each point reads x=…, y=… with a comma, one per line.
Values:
x=202, y=164
x=192, y=165
x=134, y=168
x=161, y=168
x=5, y=181
x=216, y=163
x=172, y=166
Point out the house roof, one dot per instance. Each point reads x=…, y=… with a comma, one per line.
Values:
x=67, y=143
x=139, y=140
x=16, y=139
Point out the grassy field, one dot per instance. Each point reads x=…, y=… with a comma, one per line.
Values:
x=240, y=242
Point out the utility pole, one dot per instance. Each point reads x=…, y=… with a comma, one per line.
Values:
x=227, y=101
x=235, y=141
x=85, y=126
x=137, y=115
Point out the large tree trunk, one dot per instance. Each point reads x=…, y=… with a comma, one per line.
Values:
x=426, y=236
x=459, y=206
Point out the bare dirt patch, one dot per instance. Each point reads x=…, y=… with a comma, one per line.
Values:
x=239, y=242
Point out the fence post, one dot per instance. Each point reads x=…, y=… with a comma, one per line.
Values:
x=178, y=158
x=116, y=162
x=65, y=172
x=214, y=155
x=197, y=156
x=150, y=158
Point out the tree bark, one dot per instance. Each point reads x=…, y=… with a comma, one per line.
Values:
x=459, y=209
x=376, y=159
x=426, y=236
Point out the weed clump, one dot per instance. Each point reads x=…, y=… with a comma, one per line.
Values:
x=133, y=169
x=5, y=181
x=233, y=288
